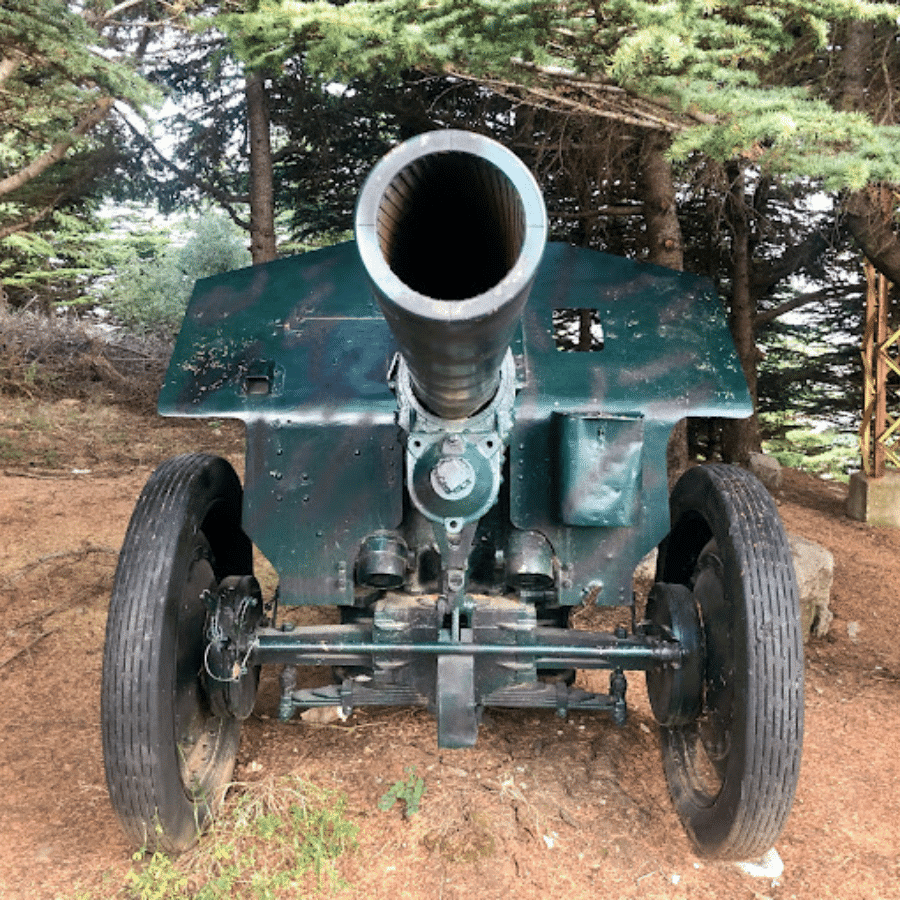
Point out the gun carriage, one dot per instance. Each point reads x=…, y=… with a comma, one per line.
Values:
x=456, y=434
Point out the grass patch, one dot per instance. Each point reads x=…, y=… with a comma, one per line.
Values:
x=823, y=452
x=278, y=838
x=10, y=451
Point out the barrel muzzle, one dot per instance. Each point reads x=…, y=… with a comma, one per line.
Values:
x=451, y=227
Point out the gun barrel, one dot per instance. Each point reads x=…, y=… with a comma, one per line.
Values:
x=451, y=227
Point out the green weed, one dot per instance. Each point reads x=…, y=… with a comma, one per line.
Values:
x=10, y=452
x=278, y=839
x=407, y=790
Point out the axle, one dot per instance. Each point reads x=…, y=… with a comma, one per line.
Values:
x=553, y=648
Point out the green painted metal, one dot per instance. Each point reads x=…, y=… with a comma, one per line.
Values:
x=298, y=349
x=455, y=477
x=313, y=493
x=273, y=646
x=599, y=469
x=312, y=321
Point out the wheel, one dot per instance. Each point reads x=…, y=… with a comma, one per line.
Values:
x=732, y=769
x=168, y=756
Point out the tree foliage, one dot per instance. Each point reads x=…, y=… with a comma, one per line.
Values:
x=155, y=275
x=757, y=105
x=59, y=82
x=751, y=98
x=705, y=72
x=58, y=86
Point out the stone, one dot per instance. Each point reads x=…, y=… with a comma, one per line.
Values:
x=769, y=865
x=814, y=567
x=875, y=501
x=323, y=715
x=646, y=568
x=767, y=469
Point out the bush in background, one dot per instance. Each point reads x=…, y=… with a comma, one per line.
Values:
x=153, y=282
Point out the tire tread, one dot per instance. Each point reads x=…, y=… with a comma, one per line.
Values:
x=773, y=711
x=164, y=514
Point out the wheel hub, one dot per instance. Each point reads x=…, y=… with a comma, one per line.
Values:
x=235, y=610
x=676, y=689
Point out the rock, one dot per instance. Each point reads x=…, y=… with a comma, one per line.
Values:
x=814, y=566
x=323, y=715
x=767, y=469
x=769, y=865
x=646, y=568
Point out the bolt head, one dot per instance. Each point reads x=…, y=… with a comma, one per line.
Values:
x=453, y=477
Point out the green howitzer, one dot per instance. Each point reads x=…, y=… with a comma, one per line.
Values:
x=456, y=436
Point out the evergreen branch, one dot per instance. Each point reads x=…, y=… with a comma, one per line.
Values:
x=73, y=187
x=111, y=15
x=654, y=114
x=542, y=98
x=31, y=220
x=770, y=315
x=125, y=5
x=613, y=210
x=767, y=274
x=661, y=103
x=38, y=166
x=225, y=198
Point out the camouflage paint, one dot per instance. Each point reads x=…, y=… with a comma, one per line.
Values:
x=300, y=352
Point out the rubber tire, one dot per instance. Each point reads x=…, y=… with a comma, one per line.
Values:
x=184, y=536
x=727, y=542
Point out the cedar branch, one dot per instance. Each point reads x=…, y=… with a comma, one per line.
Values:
x=770, y=315
x=33, y=219
x=38, y=166
x=226, y=199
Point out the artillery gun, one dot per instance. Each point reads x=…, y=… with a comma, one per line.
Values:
x=456, y=435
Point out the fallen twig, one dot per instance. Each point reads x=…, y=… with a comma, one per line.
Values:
x=52, y=557
x=27, y=647
x=62, y=476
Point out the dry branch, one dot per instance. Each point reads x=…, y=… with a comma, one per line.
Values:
x=619, y=108
x=27, y=647
x=50, y=358
x=81, y=553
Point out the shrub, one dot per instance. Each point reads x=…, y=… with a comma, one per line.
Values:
x=153, y=283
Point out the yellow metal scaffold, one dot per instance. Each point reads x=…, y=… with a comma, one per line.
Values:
x=879, y=432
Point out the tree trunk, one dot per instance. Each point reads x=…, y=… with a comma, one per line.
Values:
x=263, y=247
x=665, y=247
x=740, y=437
x=664, y=241
x=865, y=217
x=855, y=59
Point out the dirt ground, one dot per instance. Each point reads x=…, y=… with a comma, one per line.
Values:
x=540, y=808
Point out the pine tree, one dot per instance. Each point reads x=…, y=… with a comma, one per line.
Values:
x=58, y=88
x=743, y=90
x=705, y=72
